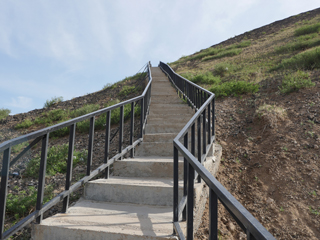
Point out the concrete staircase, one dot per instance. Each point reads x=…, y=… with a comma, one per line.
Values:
x=136, y=202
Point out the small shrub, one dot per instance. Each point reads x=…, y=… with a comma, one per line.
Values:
x=271, y=114
x=308, y=60
x=25, y=124
x=295, y=81
x=126, y=90
x=4, y=113
x=298, y=46
x=108, y=85
x=221, y=69
x=89, y=108
x=57, y=158
x=202, y=78
x=234, y=88
x=53, y=101
x=21, y=204
x=307, y=29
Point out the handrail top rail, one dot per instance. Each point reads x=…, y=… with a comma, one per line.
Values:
x=67, y=123
x=195, y=85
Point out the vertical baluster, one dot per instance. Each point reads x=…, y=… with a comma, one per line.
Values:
x=185, y=176
x=193, y=139
x=4, y=188
x=213, y=117
x=204, y=145
x=42, y=175
x=213, y=215
x=90, y=145
x=69, y=166
x=190, y=202
x=132, y=129
x=121, y=130
x=201, y=98
x=199, y=142
x=250, y=236
x=141, y=117
x=107, y=144
x=175, y=184
x=209, y=123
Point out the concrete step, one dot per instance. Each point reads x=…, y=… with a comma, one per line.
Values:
x=172, y=111
x=161, y=118
x=163, y=106
x=166, y=127
x=156, y=137
x=163, y=149
x=92, y=220
x=166, y=99
x=157, y=167
x=150, y=191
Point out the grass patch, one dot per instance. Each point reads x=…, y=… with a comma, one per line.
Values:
x=299, y=45
x=25, y=124
x=4, y=112
x=203, y=78
x=24, y=202
x=295, y=81
x=234, y=88
x=307, y=60
x=126, y=90
x=56, y=161
x=53, y=101
x=307, y=29
x=227, y=53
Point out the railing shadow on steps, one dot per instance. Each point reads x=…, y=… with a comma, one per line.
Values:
x=43, y=136
x=204, y=103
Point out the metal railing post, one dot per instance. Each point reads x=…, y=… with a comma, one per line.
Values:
x=213, y=215
x=4, y=188
x=190, y=203
x=42, y=175
x=142, y=117
x=185, y=176
x=107, y=143
x=90, y=145
x=121, y=129
x=199, y=142
x=132, y=129
x=175, y=184
x=69, y=166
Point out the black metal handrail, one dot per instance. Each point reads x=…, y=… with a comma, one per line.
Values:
x=204, y=102
x=43, y=135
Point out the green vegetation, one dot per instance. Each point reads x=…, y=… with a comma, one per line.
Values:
x=19, y=147
x=216, y=53
x=307, y=60
x=227, y=53
x=53, y=101
x=293, y=82
x=204, y=78
x=234, y=88
x=21, y=204
x=126, y=90
x=60, y=115
x=301, y=43
x=56, y=161
x=307, y=29
x=4, y=113
x=314, y=211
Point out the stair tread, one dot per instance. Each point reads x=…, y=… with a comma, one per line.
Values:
x=131, y=219
x=136, y=181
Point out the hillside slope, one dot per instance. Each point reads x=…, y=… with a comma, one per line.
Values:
x=268, y=123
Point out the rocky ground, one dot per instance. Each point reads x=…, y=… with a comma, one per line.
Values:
x=271, y=162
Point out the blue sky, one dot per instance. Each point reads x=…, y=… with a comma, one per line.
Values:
x=71, y=48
